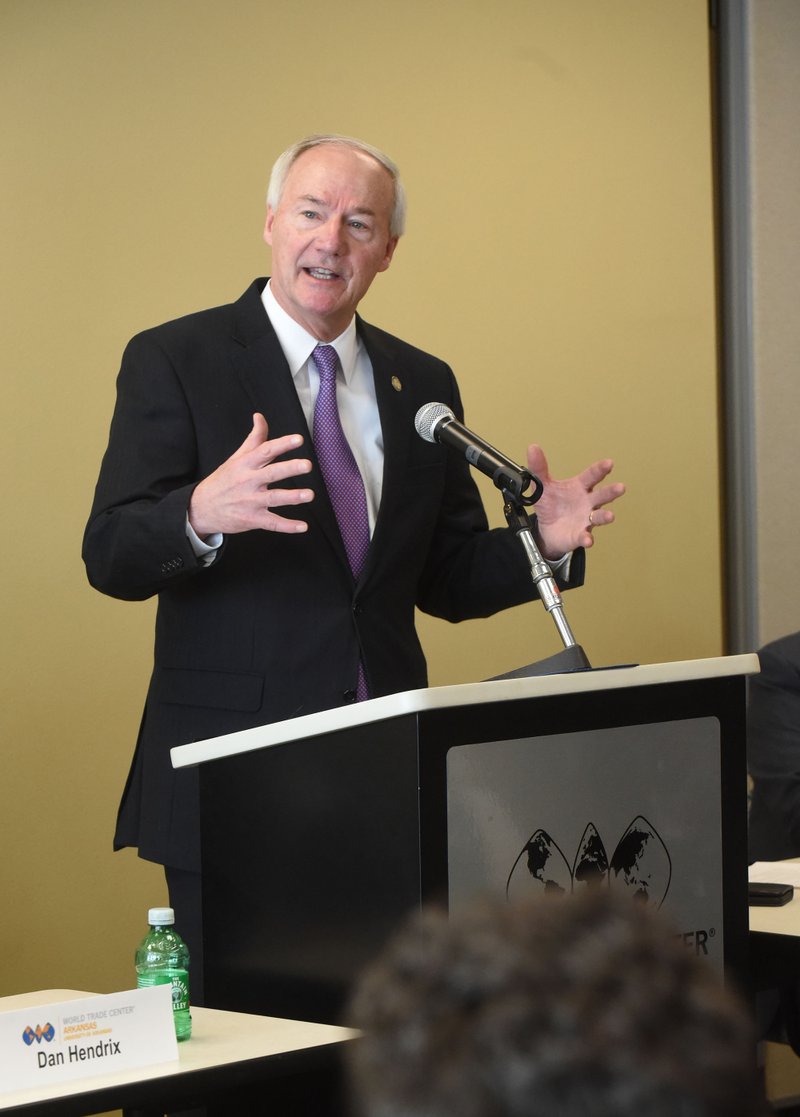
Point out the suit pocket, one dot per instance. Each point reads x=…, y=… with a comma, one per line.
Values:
x=222, y=690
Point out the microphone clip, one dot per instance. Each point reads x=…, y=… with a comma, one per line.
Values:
x=510, y=491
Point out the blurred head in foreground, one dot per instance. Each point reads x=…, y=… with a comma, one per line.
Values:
x=585, y=1006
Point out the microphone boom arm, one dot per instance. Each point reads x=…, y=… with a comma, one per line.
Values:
x=522, y=524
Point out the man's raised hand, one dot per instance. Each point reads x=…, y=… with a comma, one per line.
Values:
x=240, y=494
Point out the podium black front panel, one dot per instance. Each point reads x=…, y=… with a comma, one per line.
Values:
x=310, y=858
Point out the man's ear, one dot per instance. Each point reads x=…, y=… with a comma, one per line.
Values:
x=268, y=225
x=387, y=259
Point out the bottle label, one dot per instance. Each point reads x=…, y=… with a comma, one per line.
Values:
x=179, y=979
x=180, y=991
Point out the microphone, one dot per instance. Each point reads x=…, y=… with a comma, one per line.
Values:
x=435, y=422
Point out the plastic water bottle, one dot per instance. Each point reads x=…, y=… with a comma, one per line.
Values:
x=163, y=959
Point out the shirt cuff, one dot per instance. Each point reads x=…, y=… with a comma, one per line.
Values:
x=206, y=552
x=561, y=566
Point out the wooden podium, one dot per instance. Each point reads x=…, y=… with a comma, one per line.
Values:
x=319, y=834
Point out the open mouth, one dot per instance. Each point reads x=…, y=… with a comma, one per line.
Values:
x=321, y=273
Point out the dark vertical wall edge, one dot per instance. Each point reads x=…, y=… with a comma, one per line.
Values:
x=730, y=72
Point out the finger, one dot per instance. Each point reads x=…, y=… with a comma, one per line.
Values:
x=537, y=462
x=257, y=436
x=266, y=452
x=283, y=498
x=607, y=494
x=596, y=472
x=601, y=516
x=273, y=522
x=274, y=473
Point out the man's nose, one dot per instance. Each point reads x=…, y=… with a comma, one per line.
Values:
x=330, y=237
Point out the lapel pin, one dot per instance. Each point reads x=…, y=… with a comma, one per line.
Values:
x=397, y=384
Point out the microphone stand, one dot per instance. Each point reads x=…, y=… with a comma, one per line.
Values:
x=572, y=657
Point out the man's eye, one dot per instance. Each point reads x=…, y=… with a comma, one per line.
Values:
x=309, y=213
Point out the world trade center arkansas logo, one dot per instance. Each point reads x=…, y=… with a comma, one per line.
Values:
x=37, y=1034
x=640, y=864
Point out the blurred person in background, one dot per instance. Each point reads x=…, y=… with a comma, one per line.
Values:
x=584, y=1006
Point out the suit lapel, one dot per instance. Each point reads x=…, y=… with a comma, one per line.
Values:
x=262, y=368
x=397, y=423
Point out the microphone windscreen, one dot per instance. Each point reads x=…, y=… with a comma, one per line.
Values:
x=428, y=416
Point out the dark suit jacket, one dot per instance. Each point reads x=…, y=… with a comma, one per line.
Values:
x=773, y=749
x=275, y=626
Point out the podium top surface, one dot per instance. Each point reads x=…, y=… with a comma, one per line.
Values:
x=465, y=694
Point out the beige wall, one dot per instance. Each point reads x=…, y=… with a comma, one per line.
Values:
x=559, y=254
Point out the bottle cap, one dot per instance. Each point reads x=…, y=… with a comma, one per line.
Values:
x=160, y=917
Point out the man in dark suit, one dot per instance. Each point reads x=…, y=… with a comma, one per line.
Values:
x=773, y=751
x=204, y=500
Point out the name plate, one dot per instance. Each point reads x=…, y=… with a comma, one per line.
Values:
x=70, y=1040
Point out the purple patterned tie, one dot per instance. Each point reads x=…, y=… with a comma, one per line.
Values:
x=340, y=473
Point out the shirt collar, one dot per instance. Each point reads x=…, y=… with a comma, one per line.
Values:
x=298, y=344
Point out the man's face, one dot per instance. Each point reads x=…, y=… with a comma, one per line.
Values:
x=329, y=236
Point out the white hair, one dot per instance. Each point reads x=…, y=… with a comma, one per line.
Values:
x=283, y=163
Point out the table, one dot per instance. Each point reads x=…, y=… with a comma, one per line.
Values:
x=775, y=935
x=231, y=1059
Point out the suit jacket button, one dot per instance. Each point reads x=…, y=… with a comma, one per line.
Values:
x=349, y=696
x=171, y=565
